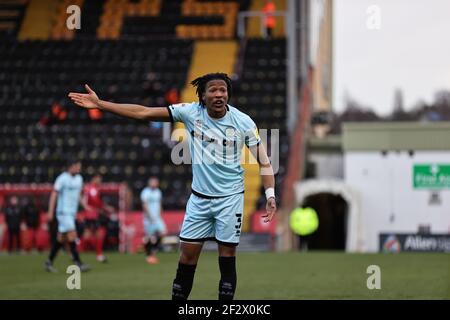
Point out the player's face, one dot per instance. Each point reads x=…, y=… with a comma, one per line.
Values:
x=216, y=97
x=75, y=168
x=153, y=183
x=97, y=179
x=14, y=201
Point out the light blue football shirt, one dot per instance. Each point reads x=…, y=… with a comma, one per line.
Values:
x=152, y=197
x=69, y=190
x=215, y=147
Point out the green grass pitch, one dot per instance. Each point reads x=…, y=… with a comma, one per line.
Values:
x=261, y=276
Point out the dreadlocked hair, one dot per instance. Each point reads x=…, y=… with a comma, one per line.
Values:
x=200, y=84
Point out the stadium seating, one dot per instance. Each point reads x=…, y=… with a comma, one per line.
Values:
x=37, y=74
x=260, y=91
x=11, y=13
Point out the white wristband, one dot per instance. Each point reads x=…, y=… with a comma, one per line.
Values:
x=270, y=193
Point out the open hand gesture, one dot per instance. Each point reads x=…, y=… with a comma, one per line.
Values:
x=86, y=100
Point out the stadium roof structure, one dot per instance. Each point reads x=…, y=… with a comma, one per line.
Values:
x=395, y=136
x=330, y=143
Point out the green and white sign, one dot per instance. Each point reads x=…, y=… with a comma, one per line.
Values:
x=431, y=176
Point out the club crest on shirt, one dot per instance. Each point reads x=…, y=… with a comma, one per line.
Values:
x=230, y=132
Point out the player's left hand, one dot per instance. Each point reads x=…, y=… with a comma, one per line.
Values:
x=271, y=209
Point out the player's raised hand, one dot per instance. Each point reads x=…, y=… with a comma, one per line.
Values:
x=271, y=209
x=86, y=100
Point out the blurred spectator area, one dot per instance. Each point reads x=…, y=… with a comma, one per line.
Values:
x=185, y=18
x=141, y=64
x=36, y=74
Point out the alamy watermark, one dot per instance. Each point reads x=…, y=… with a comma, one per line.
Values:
x=74, y=280
x=74, y=20
x=373, y=21
x=374, y=280
x=211, y=147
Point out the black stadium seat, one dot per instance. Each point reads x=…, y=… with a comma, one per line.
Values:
x=45, y=71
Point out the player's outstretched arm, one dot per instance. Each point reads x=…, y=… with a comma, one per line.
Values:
x=90, y=100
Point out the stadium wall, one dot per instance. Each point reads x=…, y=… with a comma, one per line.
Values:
x=401, y=173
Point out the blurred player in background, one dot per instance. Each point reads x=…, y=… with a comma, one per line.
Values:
x=32, y=220
x=154, y=226
x=96, y=217
x=65, y=197
x=13, y=217
x=214, y=210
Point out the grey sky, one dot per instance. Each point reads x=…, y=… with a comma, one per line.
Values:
x=410, y=51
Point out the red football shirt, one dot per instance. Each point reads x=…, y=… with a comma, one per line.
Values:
x=94, y=200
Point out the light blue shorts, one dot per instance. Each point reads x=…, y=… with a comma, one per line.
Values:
x=218, y=219
x=157, y=226
x=66, y=223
